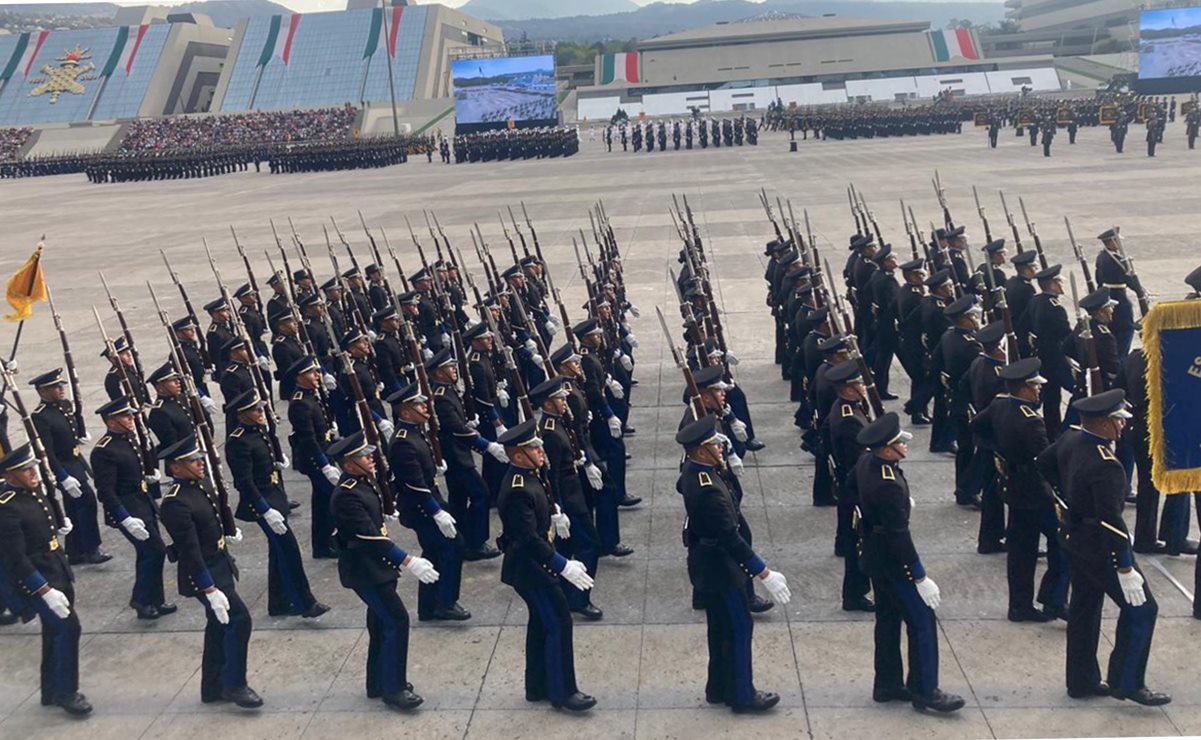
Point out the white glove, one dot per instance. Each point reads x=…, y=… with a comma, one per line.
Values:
x=393, y=517
x=235, y=538
x=445, y=339
x=561, y=523
x=71, y=486
x=446, y=524
x=333, y=429
x=474, y=422
x=12, y=366
x=634, y=310
x=731, y=358
x=633, y=340
x=738, y=426
x=87, y=437
x=777, y=585
x=928, y=590
x=615, y=388
x=550, y=327
x=154, y=477
x=495, y=450
x=219, y=603
x=502, y=397
x=500, y=430
x=537, y=359
x=380, y=388
x=136, y=528
x=595, y=479
x=331, y=473
x=1132, y=587
x=912, y=503
x=372, y=335
x=57, y=601
x=589, y=419
x=422, y=569
x=529, y=345
x=275, y=520
x=283, y=462
x=208, y=404
x=626, y=362
x=67, y=526
x=264, y=363
x=427, y=354
x=614, y=427
x=735, y=463
x=329, y=381
x=440, y=469
x=722, y=440
x=386, y=428
x=577, y=575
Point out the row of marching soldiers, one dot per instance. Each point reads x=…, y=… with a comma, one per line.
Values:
x=392, y=394
x=995, y=356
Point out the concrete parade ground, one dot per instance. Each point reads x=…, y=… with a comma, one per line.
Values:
x=645, y=661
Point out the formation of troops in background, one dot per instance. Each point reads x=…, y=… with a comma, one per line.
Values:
x=650, y=135
x=512, y=144
x=994, y=354
x=864, y=121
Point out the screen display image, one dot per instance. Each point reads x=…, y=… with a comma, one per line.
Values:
x=1169, y=43
x=499, y=90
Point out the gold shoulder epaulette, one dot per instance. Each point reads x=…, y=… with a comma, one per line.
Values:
x=41, y=407
x=518, y=481
x=104, y=442
x=704, y=479
x=157, y=404
x=847, y=410
x=402, y=434
x=440, y=391
x=348, y=483
x=1029, y=413
x=7, y=496
x=297, y=396
x=237, y=433
x=887, y=473
x=1106, y=454
x=1054, y=302
x=174, y=491
x=212, y=328
x=475, y=357
x=549, y=424
x=1103, y=329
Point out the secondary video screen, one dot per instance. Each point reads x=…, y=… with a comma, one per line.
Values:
x=1169, y=43
x=510, y=88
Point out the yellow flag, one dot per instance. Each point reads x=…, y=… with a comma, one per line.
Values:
x=27, y=286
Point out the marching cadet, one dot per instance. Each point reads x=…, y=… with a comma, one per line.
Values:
x=1048, y=130
x=286, y=349
x=169, y=418
x=951, y=360
x=252, y=319
x=313, y=310
x=278, y=302
x=219, y=333
x=357, y=345
x=1019, y=289
x=909, y=343
x=237, y=378
x=1113, y=274
x=122, y=368
x=390, y=354
x=421, y=506
x=310, y=438
x=43, y=584
x=994, y=256
x=357, y=297
x=54, y=419
x=934, y=324
x=128, y=498
x=981, y=384
x=1047, y=320
x=369, y=564
x=846, y=420
x=377, y=292
x=262, y=499
x=336, y=307
x=208, y=573
x=1100, y=307
x=881, y=290
x=468, y=492
x=904, y=593
x=428, y=324
x=529, y=521
x=565, y=459
x=185, y=332
x=821, y=393
x=1014, y=433
x=1082, y=465
x=489, y=398
x=720, y=562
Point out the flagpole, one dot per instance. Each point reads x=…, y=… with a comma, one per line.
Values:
x=96, y=99
x=391, y=82
x=254, y=93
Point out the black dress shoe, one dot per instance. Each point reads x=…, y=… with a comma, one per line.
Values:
x=325, y=555
x=886, y=396
x=758, y=604
x=577, y=702
x=403, y=699
x=95, y=557
x=1188, y=548
x=165, y=609
x=629, y=456
x=1158, y=548
x=293, y=505
x=590, y=613
x=939, y=701
x=754, y=445
x=76, y=704
x=535, y=695
x=824, y=502
x=7, y=618
x=886, y=695
x=630, y=501
x=146, y=612
x=484, y=552
x=452, y=613
x=314, y=611
x=971, y=502
x=620, y=551
x=627, y=431
x=760, y=702
x=919, y=420
x=1144, y=696
x=858, y=604
x=952, y=448
x=1100, y=689
x=713, y=699
x=1056, y=612
x=1132, y=498
x=1029, y=614
x=244, y=697
x=988, y=548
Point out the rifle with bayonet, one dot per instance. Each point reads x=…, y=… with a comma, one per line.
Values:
x=942, y=201
x=1096, y=382
x=1017, y=238
x=145, y=447
x=909, y=232
x=694, y=393
x=1127, y=264
x=72, y=373
x=39, y=450
x=254, y=284
x=859, y=227
x=875, y=402
x=1038, y=243
x=770, y=216
x=140, y=389
x=983, y=218
x=187, y=302
x=1088, y=276
x=514, y=375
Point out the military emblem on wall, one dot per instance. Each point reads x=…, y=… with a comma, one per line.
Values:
x=68, y=77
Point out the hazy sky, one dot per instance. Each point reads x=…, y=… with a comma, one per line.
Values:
x=309, y=6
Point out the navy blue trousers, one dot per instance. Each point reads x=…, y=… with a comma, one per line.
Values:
x=467, y=496
x=388, y=635
x=225, y=645
x=729, y=632
x=322, y=532
x=149, y=556
x=60, y=648
x=288, y=589
x=897, y=602
x=549, y=652
x=1092, y=581
x=448, y=561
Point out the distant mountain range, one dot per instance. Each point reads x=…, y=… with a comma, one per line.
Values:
x=508, y=10
x=27, y=16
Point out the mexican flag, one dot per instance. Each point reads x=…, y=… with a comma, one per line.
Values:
x=375, y=33
x=24, y=54
x=125, y=49
x=621, y=67
x=279, y=38
x=953, y=43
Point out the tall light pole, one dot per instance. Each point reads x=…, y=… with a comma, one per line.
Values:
x=391, y=82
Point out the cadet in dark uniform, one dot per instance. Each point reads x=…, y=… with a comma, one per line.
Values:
x=54, y=419
x=261, y=498
x=169, y=418
x=531, y=566
x=310, y=437
x=208, y=573
x=36, y=566
x=1019, y=289
x=185, y=332
x=846, y=419
x=286, y=349
x=422, y=508
x=369, y=564
x=904, y=593
x=489, y=398
x=719, y=563
x=951, y=359
x=219, y=333
x=1013, y=427
x=1082, y=465
x=1048, y=322
x=934, y=323
x=909, y=341
x=390, y=354
x=256, y=326
x=113, y=384
x=128, y=498
x=981, y=384
x=881, y=291
x=237, y=378
x=1113, y=275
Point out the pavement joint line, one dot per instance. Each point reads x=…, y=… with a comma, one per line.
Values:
x=484, y=677
x=1159, y=566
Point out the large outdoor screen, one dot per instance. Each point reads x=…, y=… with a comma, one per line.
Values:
x=1169, y=45
x=495, y=91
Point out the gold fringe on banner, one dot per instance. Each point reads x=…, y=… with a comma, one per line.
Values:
x=1166, y=317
